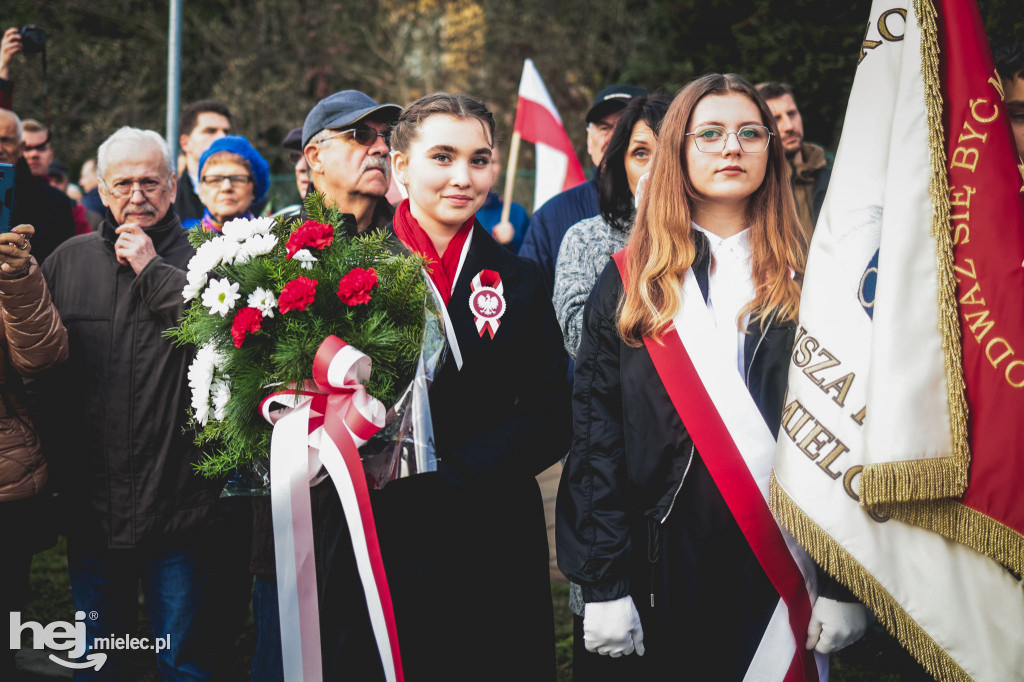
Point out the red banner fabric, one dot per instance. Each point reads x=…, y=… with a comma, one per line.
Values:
x=987, y=224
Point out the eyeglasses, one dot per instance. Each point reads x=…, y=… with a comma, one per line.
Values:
x=9, y=141
x=712, y=139
x=364, y=135
x=41, y=147
x=218, y=180
x=148, y=186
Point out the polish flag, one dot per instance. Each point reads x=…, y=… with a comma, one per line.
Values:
x=537, y=121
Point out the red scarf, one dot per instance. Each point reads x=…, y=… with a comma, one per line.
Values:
x=442, y=269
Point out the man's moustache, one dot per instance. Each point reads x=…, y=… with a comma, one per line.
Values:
x=376, y=163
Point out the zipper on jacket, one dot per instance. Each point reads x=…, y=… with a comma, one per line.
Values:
x=653, y=550
x=764, y=333
x=693, y=448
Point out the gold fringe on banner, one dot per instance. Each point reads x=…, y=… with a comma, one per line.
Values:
x=920, y=492
x=931, y=479
x=965, y=526
x=841, y=565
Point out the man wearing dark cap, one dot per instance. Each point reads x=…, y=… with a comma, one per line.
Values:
x=344, y=141
x=552, y=220
x=344, y=144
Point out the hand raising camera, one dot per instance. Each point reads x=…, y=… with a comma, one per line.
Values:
x=10, y=45
x=15, y=251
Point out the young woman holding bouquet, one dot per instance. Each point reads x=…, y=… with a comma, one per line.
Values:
x=465, y=548
x=680, y=380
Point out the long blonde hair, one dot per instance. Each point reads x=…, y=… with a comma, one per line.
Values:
x=661, y=247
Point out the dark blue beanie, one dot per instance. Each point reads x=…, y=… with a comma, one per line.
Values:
x=236, y=144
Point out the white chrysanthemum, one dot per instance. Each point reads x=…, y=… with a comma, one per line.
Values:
x=238, y=229
x=229, y=250
x=263, y=300
x=220, y=296
x=261, y=225
x=305, y=258
x=220, y=393
x=194, y=286
x=201, y=411
x=200, y=372
x=259, y=245
x=196, y=276
x=208, y=256
x=200, y=378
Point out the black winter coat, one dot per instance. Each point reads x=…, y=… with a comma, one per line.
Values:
x=638, y=513
x=465, y=548
x=111, y=418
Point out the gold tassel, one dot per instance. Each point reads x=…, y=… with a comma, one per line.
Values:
x=931, y=479
x=920, y=492
x=841, y=565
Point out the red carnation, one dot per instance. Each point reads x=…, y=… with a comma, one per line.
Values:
x=247, y=321
x=354, y=288
x=310, y=234
x=297, y=294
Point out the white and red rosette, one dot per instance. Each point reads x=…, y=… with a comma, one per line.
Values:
x=487, y=301
x=323, y=424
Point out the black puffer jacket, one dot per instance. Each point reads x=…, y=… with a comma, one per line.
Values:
x=111, y=418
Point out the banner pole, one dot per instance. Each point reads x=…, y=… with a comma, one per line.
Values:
x=510, y=176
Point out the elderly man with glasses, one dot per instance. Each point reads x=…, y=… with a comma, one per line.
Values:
x=344, y=140
x=35, y=201
x=113, y=420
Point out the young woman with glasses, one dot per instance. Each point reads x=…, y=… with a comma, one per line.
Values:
x=680, y=378
x=465, y=548
x=232, y=177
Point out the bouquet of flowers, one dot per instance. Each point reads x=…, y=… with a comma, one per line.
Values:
x=265, y=293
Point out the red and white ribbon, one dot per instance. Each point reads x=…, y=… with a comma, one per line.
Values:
x=738, y=449
x=487, y=301
x=323, y=425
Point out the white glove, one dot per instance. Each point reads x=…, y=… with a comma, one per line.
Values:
x=612, y=628
x=835, y=625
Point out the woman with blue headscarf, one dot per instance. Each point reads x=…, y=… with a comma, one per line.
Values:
x=232, y=177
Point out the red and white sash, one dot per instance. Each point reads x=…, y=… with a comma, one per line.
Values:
x=738, y=449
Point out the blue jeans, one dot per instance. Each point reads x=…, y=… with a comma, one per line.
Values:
x=175, y=586
x=267, y=661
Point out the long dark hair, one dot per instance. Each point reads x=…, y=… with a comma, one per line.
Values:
x=614, y=196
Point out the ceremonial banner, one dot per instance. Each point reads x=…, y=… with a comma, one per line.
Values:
x=537, y=121
x=880, y=437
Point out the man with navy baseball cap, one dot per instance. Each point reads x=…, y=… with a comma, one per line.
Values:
x=344, y=141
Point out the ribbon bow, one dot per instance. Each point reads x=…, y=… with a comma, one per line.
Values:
x=323, y=424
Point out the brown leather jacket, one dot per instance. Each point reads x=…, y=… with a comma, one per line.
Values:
x=32, y=338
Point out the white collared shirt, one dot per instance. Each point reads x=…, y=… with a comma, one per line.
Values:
x=730, y=288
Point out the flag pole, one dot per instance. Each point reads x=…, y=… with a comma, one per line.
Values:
x=510, y=176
